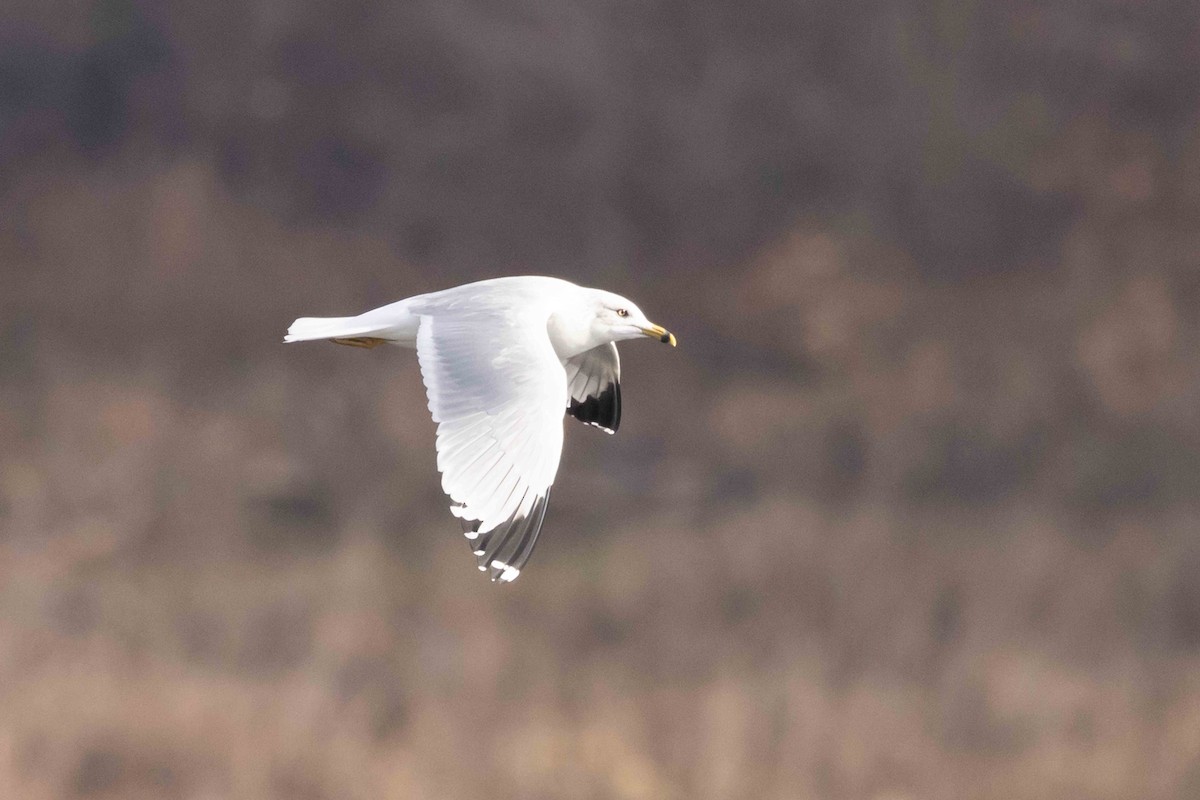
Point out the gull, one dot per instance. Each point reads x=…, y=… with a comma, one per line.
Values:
x=502, y=360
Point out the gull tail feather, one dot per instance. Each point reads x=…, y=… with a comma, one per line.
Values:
x=307, y=329
x=391, y=323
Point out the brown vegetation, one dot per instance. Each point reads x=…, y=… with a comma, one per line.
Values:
x=910, y=513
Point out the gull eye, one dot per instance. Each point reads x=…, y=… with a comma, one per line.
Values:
x=622, y=312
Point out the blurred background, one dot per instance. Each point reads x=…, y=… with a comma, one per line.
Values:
x=911, y=512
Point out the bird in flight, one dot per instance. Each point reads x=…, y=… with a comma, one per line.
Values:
x=501, y=360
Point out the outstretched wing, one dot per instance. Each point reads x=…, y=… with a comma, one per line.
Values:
x=496, y=390
x=594, y=384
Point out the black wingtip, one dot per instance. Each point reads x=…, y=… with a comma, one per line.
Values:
x=602, y=410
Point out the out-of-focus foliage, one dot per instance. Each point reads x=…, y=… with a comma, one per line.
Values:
x=910, y=513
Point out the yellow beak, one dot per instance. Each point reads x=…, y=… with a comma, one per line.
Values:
x=660, y=333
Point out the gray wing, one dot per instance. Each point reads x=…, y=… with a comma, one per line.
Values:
x=594, y=385
x=496, y=390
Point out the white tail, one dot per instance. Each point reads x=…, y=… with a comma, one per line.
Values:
x=390, y=323
x=307, y=329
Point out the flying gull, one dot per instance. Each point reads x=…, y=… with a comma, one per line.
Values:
x=501, y=360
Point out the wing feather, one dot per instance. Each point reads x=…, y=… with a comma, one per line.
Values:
x=594, y=387
x=496, y=389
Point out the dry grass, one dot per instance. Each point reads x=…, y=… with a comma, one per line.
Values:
x=239, y=582
x=909, y=515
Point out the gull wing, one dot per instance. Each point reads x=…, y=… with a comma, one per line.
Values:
x=496, y=390
x=594, y=385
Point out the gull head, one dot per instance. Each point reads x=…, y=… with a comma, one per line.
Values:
x=587, y=318
x=617, y=318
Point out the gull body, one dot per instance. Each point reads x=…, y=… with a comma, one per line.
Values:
x=502, y=360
